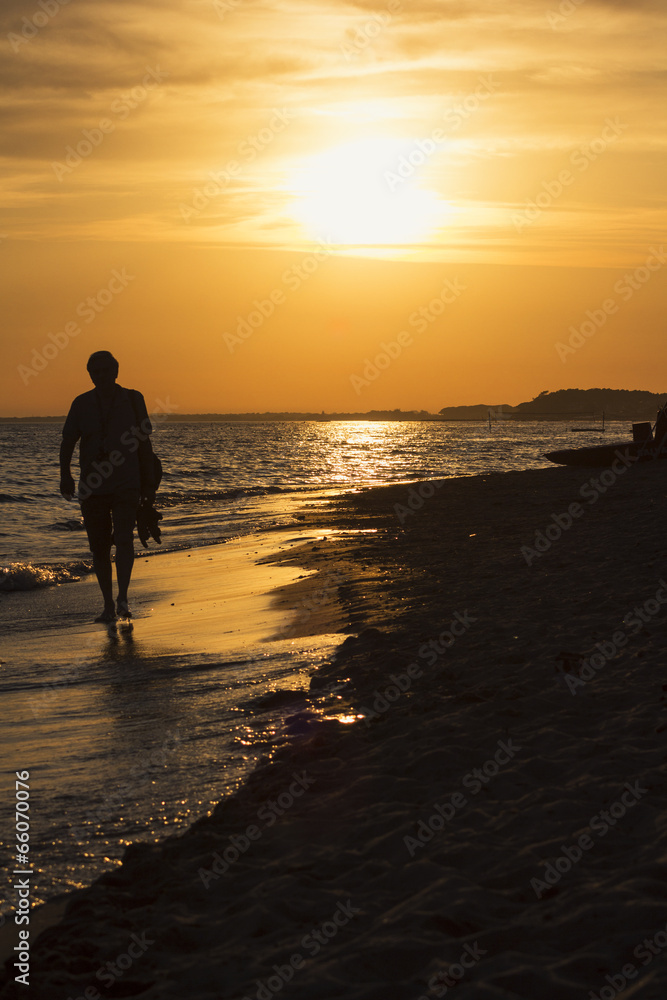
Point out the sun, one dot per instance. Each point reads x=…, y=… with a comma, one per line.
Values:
x=365, y=192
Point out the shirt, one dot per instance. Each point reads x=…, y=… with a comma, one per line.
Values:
x=110, y=434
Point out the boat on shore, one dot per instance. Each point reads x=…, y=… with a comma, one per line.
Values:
x=648, y=443
x=606, y=454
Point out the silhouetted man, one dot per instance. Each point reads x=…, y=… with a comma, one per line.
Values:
x=111, y=422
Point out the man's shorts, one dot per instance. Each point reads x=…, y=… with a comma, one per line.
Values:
x=109, y=518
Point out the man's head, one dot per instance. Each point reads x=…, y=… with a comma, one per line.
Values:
x=102, y=368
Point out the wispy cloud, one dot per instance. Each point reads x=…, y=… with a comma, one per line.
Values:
x=226, y=68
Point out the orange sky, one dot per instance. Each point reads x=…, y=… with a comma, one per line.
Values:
x=248, y=201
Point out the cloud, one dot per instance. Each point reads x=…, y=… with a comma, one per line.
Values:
x=227, y=65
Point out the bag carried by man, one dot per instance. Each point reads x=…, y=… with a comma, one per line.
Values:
x=150, y=470
x=150, y=466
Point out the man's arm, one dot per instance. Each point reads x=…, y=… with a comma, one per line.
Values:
x=70, y=437
x=141, y=412
x=67, y=487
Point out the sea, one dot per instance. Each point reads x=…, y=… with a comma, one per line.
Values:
x=135, y=748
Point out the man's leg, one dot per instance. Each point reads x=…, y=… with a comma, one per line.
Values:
x=124, y=564
x=102, y=567
x=96, y=512
x=124, y=518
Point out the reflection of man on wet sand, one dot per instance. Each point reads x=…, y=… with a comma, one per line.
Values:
x=109, y=421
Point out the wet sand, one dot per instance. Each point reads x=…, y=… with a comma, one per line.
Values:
x=213, y=599
x=477, y=800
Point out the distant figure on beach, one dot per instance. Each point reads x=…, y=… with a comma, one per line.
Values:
x=111, y=423
x=661, y=427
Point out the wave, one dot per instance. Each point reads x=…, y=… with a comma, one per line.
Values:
x=15, y=498
x=72, y=524
x=26, y=576
x=176, y=496
x=168, y=496
x=275, y=699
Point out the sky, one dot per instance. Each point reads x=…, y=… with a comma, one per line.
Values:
x=331, y=206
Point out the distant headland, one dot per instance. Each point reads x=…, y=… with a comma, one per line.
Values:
x=616, y=404
x=563, y=404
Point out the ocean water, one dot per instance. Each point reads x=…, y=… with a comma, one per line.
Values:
x=218, y=476
x=136, y=744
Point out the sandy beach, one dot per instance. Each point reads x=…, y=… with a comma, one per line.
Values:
x=473, y=799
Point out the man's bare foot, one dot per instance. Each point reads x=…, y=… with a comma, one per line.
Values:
x=123, y=609
x=107, y=617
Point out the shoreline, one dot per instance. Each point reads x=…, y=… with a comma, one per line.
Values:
x=71, y=567
x=457, y=676
x=234, y=591
x=213, y=603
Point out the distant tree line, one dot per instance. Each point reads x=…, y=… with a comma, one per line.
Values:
x=622, y=404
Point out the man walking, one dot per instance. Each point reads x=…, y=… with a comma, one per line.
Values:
x=111, y=423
